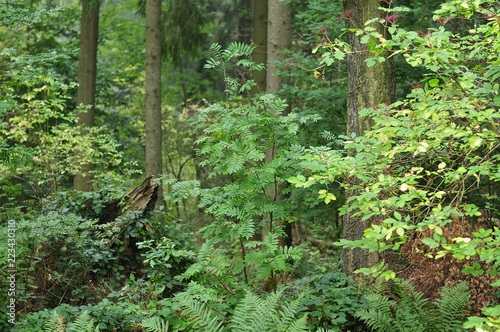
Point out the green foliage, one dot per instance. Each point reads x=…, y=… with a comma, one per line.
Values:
x=422, y=163
x=252, y=313
x=432, y=157
x=398, y=307
x=15, y=15
x=332, y=299
x=119, y=315
x=38, y=120
x=155, y=324
x=420, y=167
x=489, y=323
x=235, y=147
x=165, y=262
x=221, y=59
x=183, y=30
x=83, y=323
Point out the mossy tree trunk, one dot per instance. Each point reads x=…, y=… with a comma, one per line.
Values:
x=87, y=72
x=367, y=87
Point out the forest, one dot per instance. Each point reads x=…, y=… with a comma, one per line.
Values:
x=250, y=165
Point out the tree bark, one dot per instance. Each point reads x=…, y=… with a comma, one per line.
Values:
x=153, y=91
x=367, y=87
x=87, y=72
x=279, y=38
x=140, y=199
x=260, y=40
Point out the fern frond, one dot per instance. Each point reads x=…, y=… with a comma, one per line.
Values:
x=289, y=311
x=452, y=306
x=202, y=316
x=251, y=314
x=376, y=320
x=413, y=307
x=270, y=314
x=83, y=323
x=410, y=311
x=55, y=323
x=155, y=324
x=299, y=325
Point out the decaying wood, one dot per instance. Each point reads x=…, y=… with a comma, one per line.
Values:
x=140, y=199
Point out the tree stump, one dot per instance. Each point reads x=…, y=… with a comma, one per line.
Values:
x=140, y=199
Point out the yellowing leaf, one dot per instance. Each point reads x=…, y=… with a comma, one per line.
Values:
x=384, y=138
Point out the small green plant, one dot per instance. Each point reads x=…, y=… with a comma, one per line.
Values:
x=252, y=313
x=396, y=306
x=155, y=324
x=83, y=323
x=490, y=323
x=332, y=300
x=165, y=261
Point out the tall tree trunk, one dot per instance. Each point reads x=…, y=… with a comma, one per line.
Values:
x=279, y=38
x=87, y=71
x=153, y=91
x=367, y=87
x=260, y=41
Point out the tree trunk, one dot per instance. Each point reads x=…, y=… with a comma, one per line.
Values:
x=260, y=40
x=87, y=71
x=367, y=87
x=153, y=91
x=279, y=38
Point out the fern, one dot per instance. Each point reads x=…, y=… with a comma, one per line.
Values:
x=202, y=317
x=55, y=324
x=155, y=324
x=252, y=313
x=401, y=308
x=83, y=323
x=270, y=314
x=452, y=307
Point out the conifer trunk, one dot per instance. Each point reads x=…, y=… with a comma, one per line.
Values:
x=367, y=87
x=279, y=38
x=153, y=91
x=87, y=72
x=260, y=40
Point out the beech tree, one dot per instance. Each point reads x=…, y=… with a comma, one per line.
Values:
x=87, y=71
x=367, y=87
